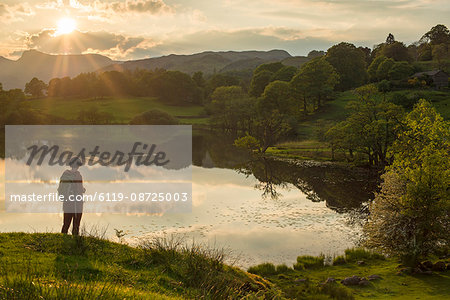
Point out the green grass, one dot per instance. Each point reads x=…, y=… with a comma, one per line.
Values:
x=56, y=266
x=356, y=254
x=339, y=260
x=439, y=99
x=332, y=112
x=123, y=109
x=305, y=150
x=308, y=283
x=308, y=262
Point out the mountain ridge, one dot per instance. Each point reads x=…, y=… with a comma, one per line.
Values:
x=207, y=62
x=33, y=63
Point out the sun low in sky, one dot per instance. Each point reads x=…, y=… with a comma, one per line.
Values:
x=136, y=29
x=66, y=25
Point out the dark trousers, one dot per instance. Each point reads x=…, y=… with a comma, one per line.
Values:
x=68, y=217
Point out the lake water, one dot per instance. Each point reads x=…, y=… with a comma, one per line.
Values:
x=260, y=210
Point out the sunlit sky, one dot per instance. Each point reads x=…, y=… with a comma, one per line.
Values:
x=131, y=29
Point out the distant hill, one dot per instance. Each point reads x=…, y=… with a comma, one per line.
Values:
x=207, y=62
x=14, y=74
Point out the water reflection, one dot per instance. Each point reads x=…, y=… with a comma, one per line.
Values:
x=343, y=188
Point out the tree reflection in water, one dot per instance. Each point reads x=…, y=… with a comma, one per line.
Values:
x=344, y=189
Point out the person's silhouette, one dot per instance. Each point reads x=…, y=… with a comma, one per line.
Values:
x=71, y=187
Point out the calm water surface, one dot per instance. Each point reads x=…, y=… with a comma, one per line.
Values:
x=260, y=210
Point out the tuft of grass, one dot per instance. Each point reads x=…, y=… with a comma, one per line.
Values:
x=355, y=254
x=309, y=262
x=267, y=269
x=283, y=269
x=264, y=269
x=339, y=260
x=201, y=267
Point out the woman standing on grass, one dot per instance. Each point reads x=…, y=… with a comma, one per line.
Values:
x=71, y=187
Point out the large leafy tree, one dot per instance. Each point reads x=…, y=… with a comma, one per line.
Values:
x=54, y=87
x=440, y=53
x=410, y=216
x=218, y=80
x=373, y=67
x=370, y=128
x=35, y=88
x=273, y=117
x=400, y=70
x=232, y=109
x=259, y=82
x=397, y=51
x=266, y=73
x=350, y=64
x=88, y=84
x=314, y=82
x=276, y=114
x=384, y=67
x=277, y=96
x=439, y=34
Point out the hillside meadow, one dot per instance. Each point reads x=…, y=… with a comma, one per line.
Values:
x=122, y=109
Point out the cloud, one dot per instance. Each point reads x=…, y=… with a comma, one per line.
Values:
x=81, y=42
x=15, y=13
x=142, y=6
x=152, y=7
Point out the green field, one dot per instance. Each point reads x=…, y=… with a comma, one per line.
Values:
x=123, y=109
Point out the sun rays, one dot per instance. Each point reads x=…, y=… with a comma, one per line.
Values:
x=65, y=26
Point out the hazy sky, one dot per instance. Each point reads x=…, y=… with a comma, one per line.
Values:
x=130, y=29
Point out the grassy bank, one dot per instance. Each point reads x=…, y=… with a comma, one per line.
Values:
x=310, y=279
x=56, y=266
